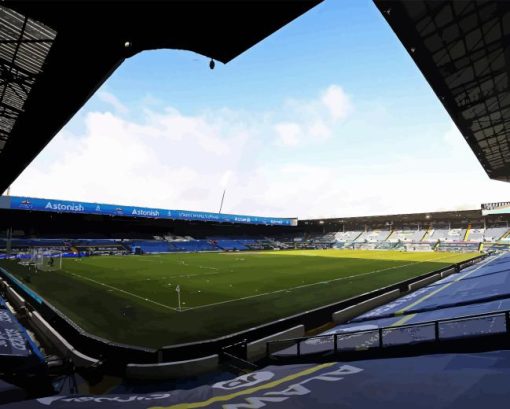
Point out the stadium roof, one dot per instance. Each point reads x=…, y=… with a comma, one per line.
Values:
x=406, y=218
x=55, y=55
x=462, y=49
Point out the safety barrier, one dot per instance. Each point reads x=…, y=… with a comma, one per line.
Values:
x=346, y=314
x=257, y=349
x=47, y=332
x=447, y=273
x=14, y=298
x=173, y=370
x=422, y=283
x=355, y=342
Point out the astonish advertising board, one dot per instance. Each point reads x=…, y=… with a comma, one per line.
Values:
x=65, y=206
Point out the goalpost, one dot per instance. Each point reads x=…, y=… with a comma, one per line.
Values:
x=44, y=259
x=50, y=261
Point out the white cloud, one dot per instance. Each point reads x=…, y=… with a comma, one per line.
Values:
x=289, y=133
x=456, y=143
x=113, y=101
x=319, y=130
x=171, y=160
x=225, y=178
x=153, y=164
x=319, y=118
x=337, y=102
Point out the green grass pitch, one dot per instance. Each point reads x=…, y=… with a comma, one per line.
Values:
x=133, y=299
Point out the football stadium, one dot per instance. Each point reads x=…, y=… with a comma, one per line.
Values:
x=121, y=306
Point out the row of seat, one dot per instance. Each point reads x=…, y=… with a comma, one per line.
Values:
x=477, y=235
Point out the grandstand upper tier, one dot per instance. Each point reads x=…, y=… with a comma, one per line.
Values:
x=79, y=228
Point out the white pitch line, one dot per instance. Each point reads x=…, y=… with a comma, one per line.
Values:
x=250, y=296
x=183, y=275
x=194, y=275
x=313, y=284
x=125, y=292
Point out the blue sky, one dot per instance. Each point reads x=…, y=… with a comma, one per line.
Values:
x=329, y=116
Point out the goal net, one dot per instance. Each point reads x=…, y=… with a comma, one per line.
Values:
x=44, y=260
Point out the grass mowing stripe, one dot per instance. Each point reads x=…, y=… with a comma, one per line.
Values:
x=313, y=284
x=106, y=295
x=257, y=295
x=124, y=291
x=196, y=275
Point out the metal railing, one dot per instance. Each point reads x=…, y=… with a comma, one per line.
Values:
x=234, y=358
x=436, y=331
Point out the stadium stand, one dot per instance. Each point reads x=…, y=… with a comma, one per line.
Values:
x=229, y=245
x=35, y=243
x=406, y=235
x=460, y=247
x=495, y=247
x=439, y=238
x=455, y=235
x=470, y=292
x=458, y=302
x=364, y=245
x=373, y=236
x=476, y=235
x=388, y=245
x=417, y=246
x=437, y=235
x=150, y=243
x=151, y=247
x=325, y=240
x=347, y=237
x=493, y=234
x=441, y=380
x=195, y=245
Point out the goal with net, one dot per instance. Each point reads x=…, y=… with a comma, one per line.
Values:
x=44, y=260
